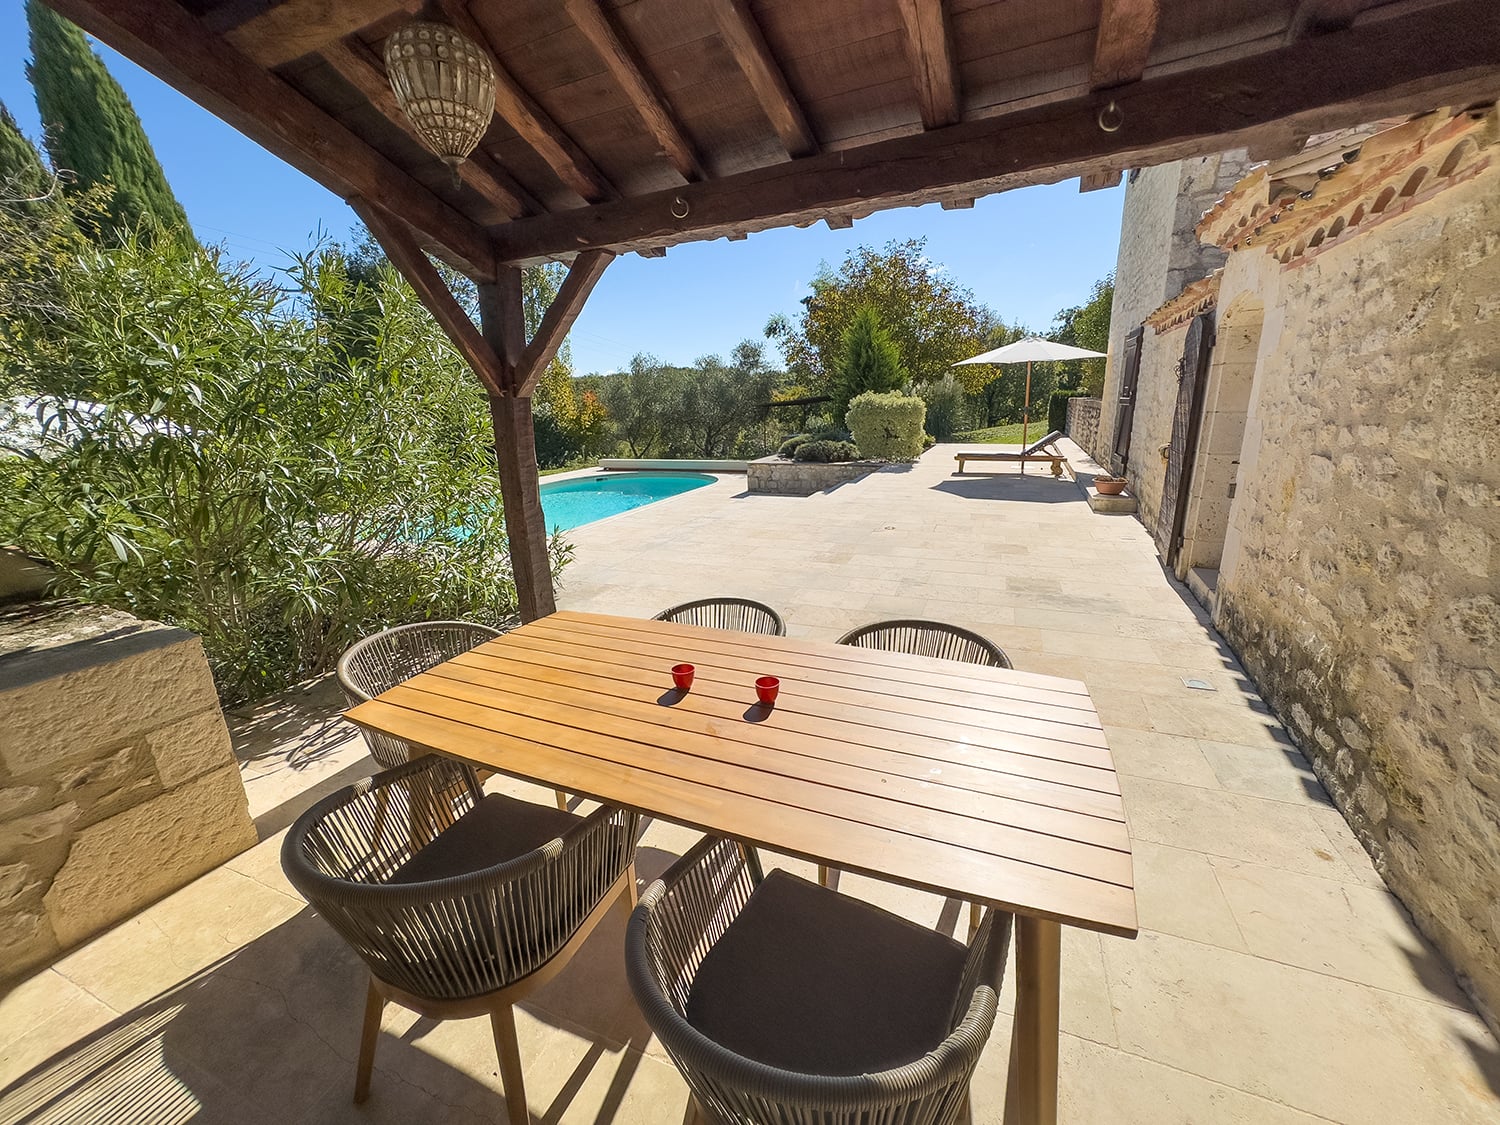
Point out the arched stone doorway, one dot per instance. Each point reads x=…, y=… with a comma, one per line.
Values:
x=1226, y=406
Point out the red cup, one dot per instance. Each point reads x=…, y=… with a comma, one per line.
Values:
x=766, y=688
x=682, y=676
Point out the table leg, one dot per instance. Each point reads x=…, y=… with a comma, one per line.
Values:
x=1031, y=1090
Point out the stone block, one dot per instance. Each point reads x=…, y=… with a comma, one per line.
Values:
x=70, y=700
x=190, y=747
x=18, y=799
x=118, y=865
x=37, y=828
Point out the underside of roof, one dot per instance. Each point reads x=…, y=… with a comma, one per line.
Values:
x=637, y=124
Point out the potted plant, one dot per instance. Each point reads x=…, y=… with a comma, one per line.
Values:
x=1106, y=485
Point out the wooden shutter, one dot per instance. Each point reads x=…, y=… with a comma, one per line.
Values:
x=1192, y=376
x=1125, y=406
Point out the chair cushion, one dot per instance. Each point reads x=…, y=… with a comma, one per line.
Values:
x=813, y=981
x=496, y=829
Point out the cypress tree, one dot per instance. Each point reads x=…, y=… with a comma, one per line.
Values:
x=870, y=361
x=90, y=128
x=23, y=175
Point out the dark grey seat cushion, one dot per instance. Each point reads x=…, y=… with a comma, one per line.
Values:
x=813, y=981
x=496, y=829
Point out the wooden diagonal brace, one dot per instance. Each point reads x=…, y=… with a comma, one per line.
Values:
x=585, y=272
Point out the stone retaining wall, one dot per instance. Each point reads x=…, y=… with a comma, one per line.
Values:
x=117, y=781
x=802, y=478
x=1083, y=422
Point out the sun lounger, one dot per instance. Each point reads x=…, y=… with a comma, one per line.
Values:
x=1032, y=452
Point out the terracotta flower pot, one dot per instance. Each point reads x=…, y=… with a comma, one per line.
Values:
x=1109, y=486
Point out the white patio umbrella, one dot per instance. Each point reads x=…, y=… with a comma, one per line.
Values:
x=1028, y=350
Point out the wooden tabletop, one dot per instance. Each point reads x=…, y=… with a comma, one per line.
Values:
x=986, y=784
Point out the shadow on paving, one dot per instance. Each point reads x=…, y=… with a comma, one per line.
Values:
x=1014, y=487
x=269, y=1034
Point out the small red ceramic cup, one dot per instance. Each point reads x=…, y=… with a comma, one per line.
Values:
x=682, y=676
x=766, y=688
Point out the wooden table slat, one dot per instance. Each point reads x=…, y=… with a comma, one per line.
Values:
x=914, y=861
x=981, y=771
x=885, y=692
x=641, y=723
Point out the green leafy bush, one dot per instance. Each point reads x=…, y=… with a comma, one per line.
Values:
x=1057, y=409
x=947, y=408
x=789, y=447
x=211, y=451
x=823, y=451
x=887, y=426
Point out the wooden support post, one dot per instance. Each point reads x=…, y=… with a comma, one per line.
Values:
x=504, y=325
x=1031, y=1088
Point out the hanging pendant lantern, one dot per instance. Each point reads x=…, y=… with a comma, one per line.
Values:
x=445, y=84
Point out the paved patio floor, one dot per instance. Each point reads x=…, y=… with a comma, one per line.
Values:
x=1274, y=980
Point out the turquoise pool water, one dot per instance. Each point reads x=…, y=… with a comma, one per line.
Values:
x=573, y=503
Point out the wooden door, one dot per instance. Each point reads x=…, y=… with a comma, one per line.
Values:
x=1130, y=373
x=1192, y=375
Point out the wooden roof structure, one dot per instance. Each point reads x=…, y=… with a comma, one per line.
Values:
x=634, y=125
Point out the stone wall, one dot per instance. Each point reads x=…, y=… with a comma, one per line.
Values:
x=1151, y=430
x=1083, y=421
x=1159, y=255
x=778, y=476
x=1361, y=581
x=117, y=782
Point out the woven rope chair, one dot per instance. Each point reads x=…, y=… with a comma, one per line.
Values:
x=379, y=662
x=460, y=904
x=703, y=905
x=928, y=638
x=740, y=614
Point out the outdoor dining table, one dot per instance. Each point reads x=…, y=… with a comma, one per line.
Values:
x=983, y=784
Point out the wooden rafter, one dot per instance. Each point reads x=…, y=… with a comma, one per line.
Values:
x=629, y=70
x=522, y=113
x=356, y=64
x=161, y=36
x=401, y=248
x=930, y=47
x=1404, y=64
x=747, y=43
x=293, y=28
x=583, y=275
x=1096, y=181
x=1127, y=28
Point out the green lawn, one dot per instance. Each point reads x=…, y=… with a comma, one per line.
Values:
x=1002, y=435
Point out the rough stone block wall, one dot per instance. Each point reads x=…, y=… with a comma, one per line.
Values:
x=1364, y=593
x=1083, y=421
x=1160, y=254
x=117, y=781
x=778, y=476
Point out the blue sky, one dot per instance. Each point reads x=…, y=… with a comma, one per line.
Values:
x=1025, y=253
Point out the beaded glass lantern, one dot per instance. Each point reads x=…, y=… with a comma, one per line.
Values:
x=445, y=84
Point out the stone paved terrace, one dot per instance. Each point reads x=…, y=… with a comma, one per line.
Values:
x=1275, y=981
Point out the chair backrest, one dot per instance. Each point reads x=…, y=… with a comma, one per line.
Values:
x=1051, y=439
x=682, y=915
x=928, y=638
x=379, y=662
x=740, y=614
x=454, y=938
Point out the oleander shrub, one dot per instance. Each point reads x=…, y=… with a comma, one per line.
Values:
x=824, y=451
x=887, y=425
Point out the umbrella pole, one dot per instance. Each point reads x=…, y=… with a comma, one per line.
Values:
x=1026, y=415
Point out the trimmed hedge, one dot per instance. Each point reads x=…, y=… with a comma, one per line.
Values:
x=887, y=425
x=1057, y=409
x=822, y=450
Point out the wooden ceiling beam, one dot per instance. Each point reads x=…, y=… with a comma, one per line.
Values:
x=629, y=70
x=1127, y=28
x=293, y=28
x=583, y=275
x=929, y=45
x=1317, y=17
x=1447, y=54
x=522, y=113
x=357, y=65
x=747, y=43
x=162, y=37
x=395, y=238
x=1097, y=181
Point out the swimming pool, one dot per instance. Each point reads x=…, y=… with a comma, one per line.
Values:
x=572, y=503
